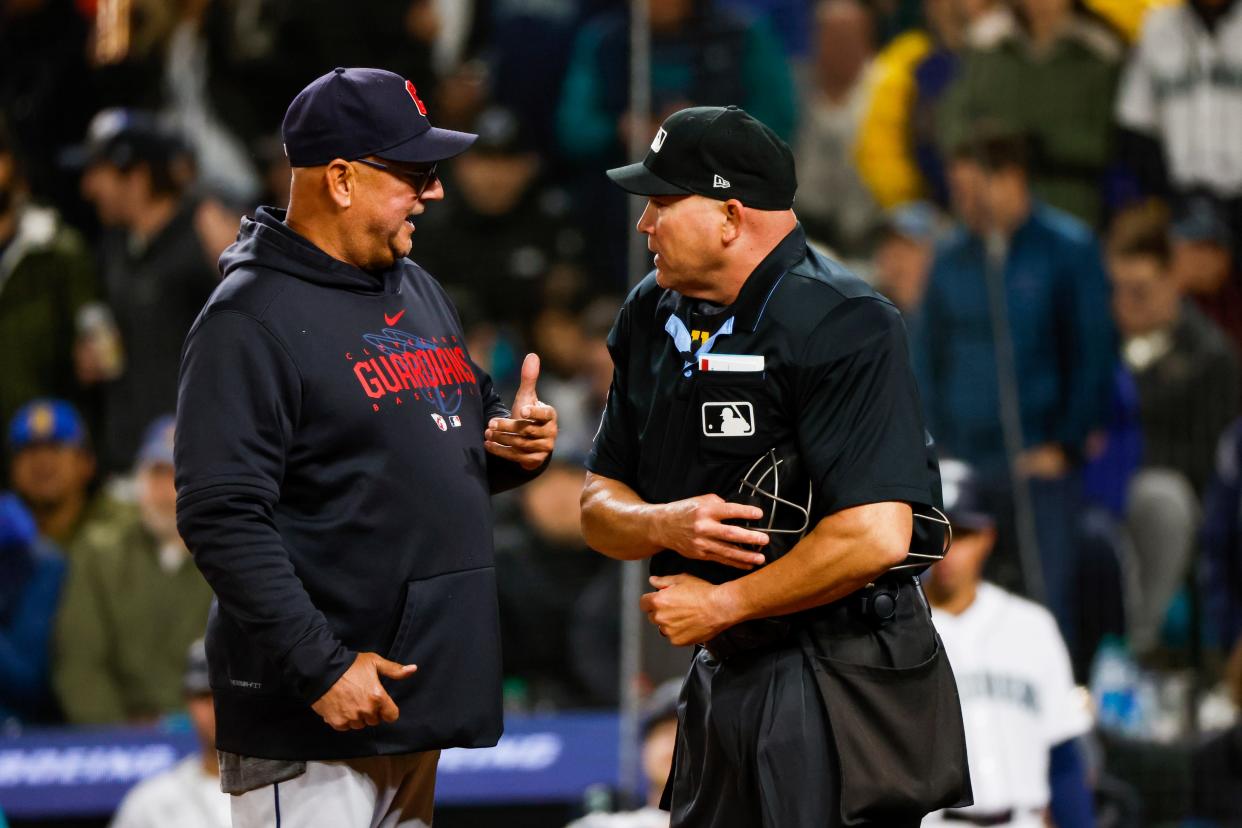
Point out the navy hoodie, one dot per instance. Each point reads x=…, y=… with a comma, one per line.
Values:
x=333, y=488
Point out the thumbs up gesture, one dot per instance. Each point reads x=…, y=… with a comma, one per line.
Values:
x=527, y=439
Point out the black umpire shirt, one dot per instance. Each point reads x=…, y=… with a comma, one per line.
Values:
x=808, y=357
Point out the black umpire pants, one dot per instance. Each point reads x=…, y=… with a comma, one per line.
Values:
x=755, y=748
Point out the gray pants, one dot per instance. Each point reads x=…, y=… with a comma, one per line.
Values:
x=373, y=792
x=1161, y=518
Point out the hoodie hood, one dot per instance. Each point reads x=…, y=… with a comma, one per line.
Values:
x=265, y=241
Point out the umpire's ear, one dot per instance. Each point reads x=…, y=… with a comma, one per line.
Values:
x=733, y=217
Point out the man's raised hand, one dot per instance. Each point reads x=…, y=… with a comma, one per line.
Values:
x=529, y=437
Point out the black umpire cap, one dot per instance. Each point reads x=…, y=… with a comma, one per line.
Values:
x=353, y=113
x=719, y=152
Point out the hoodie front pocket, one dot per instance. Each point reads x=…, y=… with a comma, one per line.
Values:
x=450, y=628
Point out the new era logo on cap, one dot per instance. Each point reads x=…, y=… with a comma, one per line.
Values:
x=659, y=140
x=717, y=181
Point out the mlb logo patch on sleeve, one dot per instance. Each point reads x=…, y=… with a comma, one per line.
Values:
x=728, y=419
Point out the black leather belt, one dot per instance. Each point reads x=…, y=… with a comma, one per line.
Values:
x=877, y=603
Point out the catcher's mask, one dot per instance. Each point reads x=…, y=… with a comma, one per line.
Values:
x=778, y=484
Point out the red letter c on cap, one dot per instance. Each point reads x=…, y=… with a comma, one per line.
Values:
x=409, y=87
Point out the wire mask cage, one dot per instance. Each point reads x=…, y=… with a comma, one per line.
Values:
x=764, y=481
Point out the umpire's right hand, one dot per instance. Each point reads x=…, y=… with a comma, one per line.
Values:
x=358, y=699
x=695, y=529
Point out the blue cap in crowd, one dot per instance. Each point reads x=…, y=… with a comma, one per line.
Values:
x=353, y=113
x=1201, y=218
x=914, y=220
x=965, y=502
x=46, y=421
x=157, y=443
x=196, y=681
x=125, y=137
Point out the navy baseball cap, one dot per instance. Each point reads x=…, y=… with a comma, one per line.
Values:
x=46, y=421
x=353, y=113
x=720, y=152
x=125, y=137
x=196, y=681
x=157, y=443
x=965, y=502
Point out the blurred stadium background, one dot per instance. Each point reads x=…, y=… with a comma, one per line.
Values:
x=135, y=133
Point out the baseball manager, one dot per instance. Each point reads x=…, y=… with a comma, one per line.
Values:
x=336, y=447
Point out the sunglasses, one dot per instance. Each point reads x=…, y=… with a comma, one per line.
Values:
x=420, y=180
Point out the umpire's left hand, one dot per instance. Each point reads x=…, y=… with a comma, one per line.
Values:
x=686, y=609
x=527, y=441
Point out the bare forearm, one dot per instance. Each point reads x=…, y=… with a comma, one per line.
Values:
x=843, y=553
x=617, y=522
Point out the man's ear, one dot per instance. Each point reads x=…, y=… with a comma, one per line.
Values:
x=734, y=215
x=340, y=182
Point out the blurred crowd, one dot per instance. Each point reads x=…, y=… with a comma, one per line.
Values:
x=1050, y=190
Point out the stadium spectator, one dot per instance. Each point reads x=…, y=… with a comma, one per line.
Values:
x=1203, y=261
x=577, y=367
x=1017, y=75
x=1186, y=376
x=898, y=152
x=47, y=278
x=133, y=603
x=42, y=89
x=1221, y=570
x=226, y=168
x=542, y=565
x=1185, y=367
x=52, y=467
x=1216, y=763
x=156, y=266
x=1022, y=712
x=1181, y=106
x=494, y=246
x=1060, y=337
x=188, y=794
x=526, y=53
x=659, y=733
x=903, y=258
x=703, y=53
x=31, y=572
x=834, y=205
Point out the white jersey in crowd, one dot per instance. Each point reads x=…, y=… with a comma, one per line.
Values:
x=184, y=795
x=1018, y=700
x=1183, y=85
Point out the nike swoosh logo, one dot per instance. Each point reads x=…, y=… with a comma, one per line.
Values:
x=392, y=320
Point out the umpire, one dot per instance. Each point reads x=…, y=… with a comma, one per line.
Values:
x=763, y=444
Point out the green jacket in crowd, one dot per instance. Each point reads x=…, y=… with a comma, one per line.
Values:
x=46, y=276
x=1062, y=99
x=125, y=622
